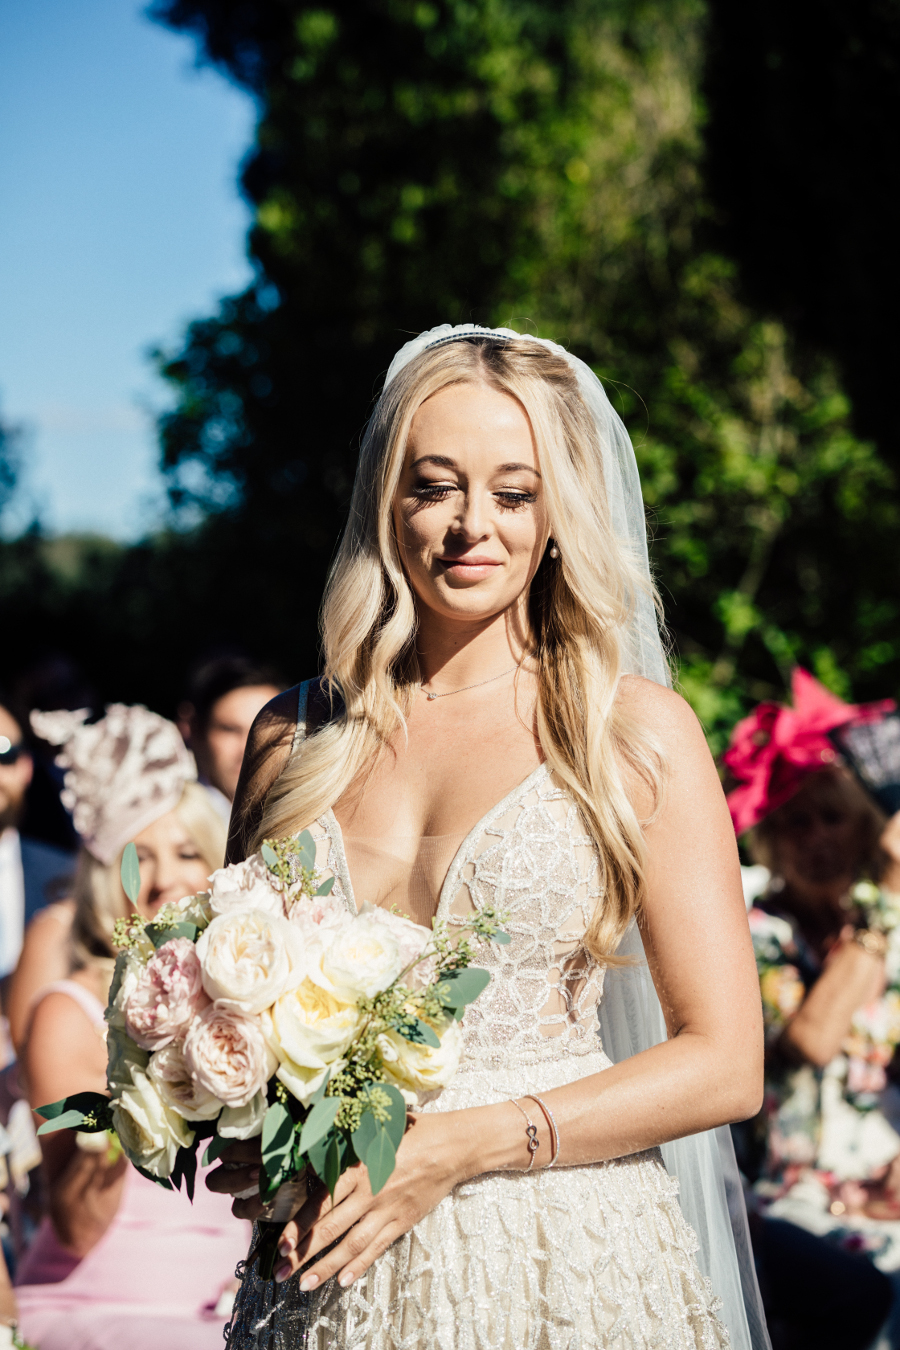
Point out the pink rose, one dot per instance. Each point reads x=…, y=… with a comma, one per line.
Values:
x=226, y=1053
x=166, y=997
x=320, y=916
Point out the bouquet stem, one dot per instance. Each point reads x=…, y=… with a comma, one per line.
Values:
x=272, y=1222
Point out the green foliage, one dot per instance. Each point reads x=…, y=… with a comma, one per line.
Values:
x=517, y=162
x=130, y=872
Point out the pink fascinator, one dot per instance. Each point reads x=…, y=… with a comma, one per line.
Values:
x=776, y=748
x=122, y=772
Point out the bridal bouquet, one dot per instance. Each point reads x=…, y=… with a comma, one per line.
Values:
x=264, y=1008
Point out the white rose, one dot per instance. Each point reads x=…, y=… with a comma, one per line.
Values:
x=123, y=1057
x=244, y=885
x=150, y=1132
x=190, y=909
x=178, y=1087
x=249, y=959
x=308, y=1030
x=412, y=940
x=364, y=958
x=243, y=1122
x=421, y=1068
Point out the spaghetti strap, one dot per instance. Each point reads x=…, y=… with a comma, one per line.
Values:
x=90, y=1005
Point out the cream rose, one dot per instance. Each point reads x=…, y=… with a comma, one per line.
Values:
x=175, y=1084
x=166, y=996
x=412, y=939
x=249, y=959
x=226, y=1053
x=243, y=1122
x=421, y=1068
x=364, y=958
x=242, y=886
x=150, y=1132
x=309, y=1030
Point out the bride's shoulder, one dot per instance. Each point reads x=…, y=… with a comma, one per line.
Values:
x=268, y=750
x=661, y=712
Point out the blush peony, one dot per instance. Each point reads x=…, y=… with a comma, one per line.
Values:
x=226, y=1053
x=166, y=996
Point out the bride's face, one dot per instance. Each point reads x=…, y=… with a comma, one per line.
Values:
x=469, y=512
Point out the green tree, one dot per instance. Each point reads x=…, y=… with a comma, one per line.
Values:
x=540, y=165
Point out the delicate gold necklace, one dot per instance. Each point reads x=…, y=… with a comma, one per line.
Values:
x=477, y=685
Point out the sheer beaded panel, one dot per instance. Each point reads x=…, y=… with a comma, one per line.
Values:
x=532, y=858
x=578, y=1258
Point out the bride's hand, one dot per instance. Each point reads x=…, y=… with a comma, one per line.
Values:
x=431, y=1160
x=239, y=1172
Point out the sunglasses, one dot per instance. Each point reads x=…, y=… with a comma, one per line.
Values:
x=10, y=753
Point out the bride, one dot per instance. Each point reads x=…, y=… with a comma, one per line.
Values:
x=494, y=727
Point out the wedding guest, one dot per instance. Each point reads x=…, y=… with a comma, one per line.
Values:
x=119, y=1262
x=825, y=1150
x=30, y=869
x=226, y=693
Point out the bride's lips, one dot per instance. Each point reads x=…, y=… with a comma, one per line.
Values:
x=473, y=567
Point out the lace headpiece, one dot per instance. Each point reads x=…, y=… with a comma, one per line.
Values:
x=122, y=772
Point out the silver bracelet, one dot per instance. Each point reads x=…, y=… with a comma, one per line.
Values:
x=529, y=1096
x=531, y=1131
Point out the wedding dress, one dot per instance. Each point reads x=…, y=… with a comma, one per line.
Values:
x=573, y=1258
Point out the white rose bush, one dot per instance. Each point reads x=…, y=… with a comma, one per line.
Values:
x=263, y=1007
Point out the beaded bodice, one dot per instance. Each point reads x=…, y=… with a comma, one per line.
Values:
x=532, y=858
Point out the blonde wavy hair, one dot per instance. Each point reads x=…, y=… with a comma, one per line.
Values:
x=578, y=606
x=98, y=894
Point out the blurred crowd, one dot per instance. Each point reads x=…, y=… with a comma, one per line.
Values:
x=100, y=1256
x=85, y=1236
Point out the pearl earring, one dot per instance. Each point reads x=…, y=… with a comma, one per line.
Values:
x=554, y=552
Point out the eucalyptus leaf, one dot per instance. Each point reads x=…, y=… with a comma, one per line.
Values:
x=364, y=1134
x=189, y=1169
x=160, y=936
x=270, y=857
x=333, y=1164
x=318, y=1152
x=130, y=872
x=277, y=1137
x=216, y=1147
x=52, y=1110
x=305, y=846
x=69, y=1120
x=396, y=1122
x=501, y=939
x=459, y=987
x=381, y=1158
x=327, y=886
x=319, y=1122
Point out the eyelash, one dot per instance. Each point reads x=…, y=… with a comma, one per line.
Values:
x=507, y=501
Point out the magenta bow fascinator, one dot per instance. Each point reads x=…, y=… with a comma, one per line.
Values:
x=777, y=747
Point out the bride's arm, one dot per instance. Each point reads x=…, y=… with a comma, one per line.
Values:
x=708, y=1073
x=268, y=748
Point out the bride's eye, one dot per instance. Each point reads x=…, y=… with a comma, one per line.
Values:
x=514, y=501
x=432, y=492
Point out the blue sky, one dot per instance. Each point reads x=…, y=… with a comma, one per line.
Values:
x=120, y=220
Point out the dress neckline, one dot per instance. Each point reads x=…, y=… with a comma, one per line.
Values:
x=338, y=858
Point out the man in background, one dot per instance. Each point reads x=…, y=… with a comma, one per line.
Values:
x=224, y=696
x=31, y=872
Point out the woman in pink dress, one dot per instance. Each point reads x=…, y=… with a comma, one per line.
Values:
x=119, y=1263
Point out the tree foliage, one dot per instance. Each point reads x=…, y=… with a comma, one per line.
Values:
x=509, y=161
